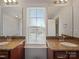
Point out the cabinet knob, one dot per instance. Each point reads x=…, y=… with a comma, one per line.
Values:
x=66, y=52
x=60, y=57
x=2, y=56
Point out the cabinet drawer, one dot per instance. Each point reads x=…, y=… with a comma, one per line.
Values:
x=50, y=54
x=73, y=55
x=4, y=54
x=61, y=55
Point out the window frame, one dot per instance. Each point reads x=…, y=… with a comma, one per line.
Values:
x=44, y=17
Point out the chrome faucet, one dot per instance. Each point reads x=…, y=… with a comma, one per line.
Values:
x=62, y=38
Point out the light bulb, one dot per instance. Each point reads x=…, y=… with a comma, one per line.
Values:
x=10, y=1
x=5, y=1
x=16, y=16
x=61, y=0
x=14, y=0
x=66, y=0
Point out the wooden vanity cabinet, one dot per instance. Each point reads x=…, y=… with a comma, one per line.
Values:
x=16, y=53
x=4, y=54
x=50, y=54
x=60, y=55
x=57, y=54
x=63, y=54
x=73, y=55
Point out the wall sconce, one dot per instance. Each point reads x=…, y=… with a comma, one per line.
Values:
x=10, y=2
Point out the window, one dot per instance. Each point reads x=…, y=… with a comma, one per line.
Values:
x=36, y=25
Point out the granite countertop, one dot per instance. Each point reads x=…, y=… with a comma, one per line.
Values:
x=54, y=44
x=11, y=44
x=35, y=46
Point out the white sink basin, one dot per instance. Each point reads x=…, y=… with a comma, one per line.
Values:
x=68, y=44
x=3, y=43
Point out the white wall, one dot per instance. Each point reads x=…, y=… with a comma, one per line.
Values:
x=25, y=28
x=1, y=22
x=76, y=17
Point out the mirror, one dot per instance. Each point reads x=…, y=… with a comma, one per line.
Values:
x=60, y=20
x=11, y=22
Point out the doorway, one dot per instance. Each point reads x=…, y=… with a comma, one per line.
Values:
x=57, y=26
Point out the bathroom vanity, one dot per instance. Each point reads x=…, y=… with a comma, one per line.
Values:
x=56, y=50
x=12, y=50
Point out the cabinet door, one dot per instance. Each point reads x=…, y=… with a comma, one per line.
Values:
x=60, y=55
x=17, y=53
x=73, y=55
x=4, y=55
x=50, y=54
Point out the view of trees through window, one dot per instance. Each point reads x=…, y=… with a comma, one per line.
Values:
x=36, y=20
